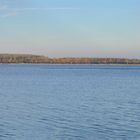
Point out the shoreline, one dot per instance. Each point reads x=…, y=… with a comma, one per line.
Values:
x=38, y=59
x=70, y=64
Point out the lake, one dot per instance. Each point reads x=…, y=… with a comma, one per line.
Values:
x=69, y=102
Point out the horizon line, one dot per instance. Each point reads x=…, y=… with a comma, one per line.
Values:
x=67, y=56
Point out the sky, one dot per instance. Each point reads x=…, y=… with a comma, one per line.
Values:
x=71, y=28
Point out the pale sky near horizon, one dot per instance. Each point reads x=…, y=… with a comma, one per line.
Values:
x=73, y=28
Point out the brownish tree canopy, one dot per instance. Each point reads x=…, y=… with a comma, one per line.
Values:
x=26, y=58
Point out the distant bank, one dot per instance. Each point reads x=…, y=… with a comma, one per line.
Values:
x=37, y=59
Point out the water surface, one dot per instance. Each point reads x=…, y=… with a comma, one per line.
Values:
x=69, y=102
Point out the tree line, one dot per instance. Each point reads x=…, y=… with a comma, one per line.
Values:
x=36, y=59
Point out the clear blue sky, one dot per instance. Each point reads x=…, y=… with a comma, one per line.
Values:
x=83, y=28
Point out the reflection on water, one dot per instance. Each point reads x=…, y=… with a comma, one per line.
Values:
x=69, y=102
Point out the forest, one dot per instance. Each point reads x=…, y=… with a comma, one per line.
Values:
x=38, y=59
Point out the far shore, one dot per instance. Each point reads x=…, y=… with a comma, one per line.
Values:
x=38, y=59
x=69, y=64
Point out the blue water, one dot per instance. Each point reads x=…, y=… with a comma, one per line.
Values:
x=69, y=102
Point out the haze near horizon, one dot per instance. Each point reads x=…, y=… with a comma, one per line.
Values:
x=72, y=28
